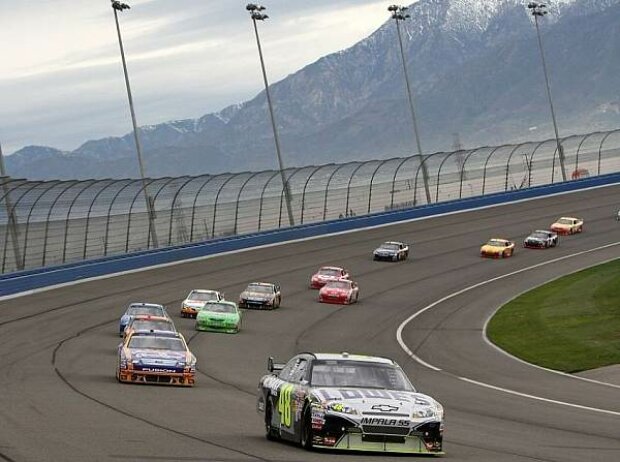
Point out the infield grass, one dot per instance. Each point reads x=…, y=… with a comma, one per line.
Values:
x=570, y=325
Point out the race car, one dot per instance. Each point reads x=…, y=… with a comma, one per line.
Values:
x=135, y=309
x=219, y=316
x=392, y=251
x=343, y=292
x=162, y=358
x=497, y=248
x=147, y=323
x=326, y=274
x=348, y=402
x=196, y=298
x=568, y=225
x=261, y=295
x=618, y=215
x=541, y=239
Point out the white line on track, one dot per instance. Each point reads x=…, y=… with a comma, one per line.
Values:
x=412, y=355
x=275, y=244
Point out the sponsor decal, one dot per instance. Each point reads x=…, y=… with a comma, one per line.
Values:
x=328, y=394
x=385, y=422
x=384, y=408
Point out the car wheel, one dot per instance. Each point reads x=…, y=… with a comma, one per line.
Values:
x=306, y=430
x=580, y=230
x=270, y=432
x=504, y=254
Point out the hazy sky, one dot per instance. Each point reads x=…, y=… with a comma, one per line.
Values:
x=62, y=84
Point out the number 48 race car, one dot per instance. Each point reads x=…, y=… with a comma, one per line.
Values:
x=348, y=402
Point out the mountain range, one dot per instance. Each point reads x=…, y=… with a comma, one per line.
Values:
x=475, y=68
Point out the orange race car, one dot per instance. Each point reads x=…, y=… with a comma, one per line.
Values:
x=568, y=225
x=498, y=248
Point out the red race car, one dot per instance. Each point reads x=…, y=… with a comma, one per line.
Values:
x=343, y=292
x=326, y=274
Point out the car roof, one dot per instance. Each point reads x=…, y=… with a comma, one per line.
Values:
x=221, y=302
x=393, y=242
x=568, y=218
x=148, y=317
x=330, y=268
x=145, y=333
x=498, y=239
x=142, y=304
x=266, y=284
x=205, y=291
x=352, y=357
x=545, y=231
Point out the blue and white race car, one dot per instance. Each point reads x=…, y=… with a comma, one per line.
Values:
x=137, y=309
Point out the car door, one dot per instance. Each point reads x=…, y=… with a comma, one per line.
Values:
x=288, y=399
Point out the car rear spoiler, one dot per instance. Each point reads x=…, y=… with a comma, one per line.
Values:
x=272, y=366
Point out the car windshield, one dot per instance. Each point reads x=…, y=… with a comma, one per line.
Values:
x=203, y=296
x=329, y=272
x=496, y=243
x=141, y=324
x=387, y=246
x=565, y=221
x=338, y=285
x=219, y=308
x=259, y=288
x=539, y=235
x=150, y=310
x=359, y=374
x=154, y=342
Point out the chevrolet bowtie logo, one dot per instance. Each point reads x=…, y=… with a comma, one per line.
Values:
x=384, y=408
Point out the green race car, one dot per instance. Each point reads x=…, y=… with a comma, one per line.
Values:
x=221, y=316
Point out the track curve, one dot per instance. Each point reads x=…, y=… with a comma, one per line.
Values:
x=60, y=400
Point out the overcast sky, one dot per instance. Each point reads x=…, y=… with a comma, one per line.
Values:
x=61, y=81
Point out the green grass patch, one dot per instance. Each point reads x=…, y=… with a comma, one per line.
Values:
x=570, y=325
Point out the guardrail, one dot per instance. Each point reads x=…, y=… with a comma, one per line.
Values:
x=28, y=280
x=45, y=223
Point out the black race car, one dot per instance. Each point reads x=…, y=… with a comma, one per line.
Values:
x=541, y=239
x=392, y=251
x=348, y=402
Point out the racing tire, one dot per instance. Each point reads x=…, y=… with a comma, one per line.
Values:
x=270, y=432
x=580, y=229
x=396, y=257
x=306, y=430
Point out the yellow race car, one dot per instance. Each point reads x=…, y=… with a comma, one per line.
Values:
x=498, y=248
x=568, y=225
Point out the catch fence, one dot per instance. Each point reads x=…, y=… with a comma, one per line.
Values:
x=46, y=223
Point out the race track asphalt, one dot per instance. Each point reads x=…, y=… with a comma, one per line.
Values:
x=60, y=401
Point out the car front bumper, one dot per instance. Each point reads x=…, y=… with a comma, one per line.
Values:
x=183, y=379
x=212, y=327
x=339, y=434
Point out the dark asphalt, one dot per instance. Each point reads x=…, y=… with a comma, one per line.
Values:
x=59, y=399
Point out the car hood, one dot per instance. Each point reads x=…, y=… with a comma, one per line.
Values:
x=148, y=355
x=193, y=303
x=210, y=315
x=256, y=295
x=328, y=291
x=375, y=402
x=491, y=248
x=387, y=251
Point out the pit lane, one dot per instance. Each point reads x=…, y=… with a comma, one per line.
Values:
x=60, y=400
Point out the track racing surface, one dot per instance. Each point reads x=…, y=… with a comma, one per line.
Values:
x=60, y=401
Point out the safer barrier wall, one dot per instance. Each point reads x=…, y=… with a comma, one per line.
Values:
x=28, y=280
x=55, y=222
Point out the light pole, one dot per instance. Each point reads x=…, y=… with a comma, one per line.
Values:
x=399, y=13
x=116, y=7
x=539, y=10
x=11, y=218
x=257, y=15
